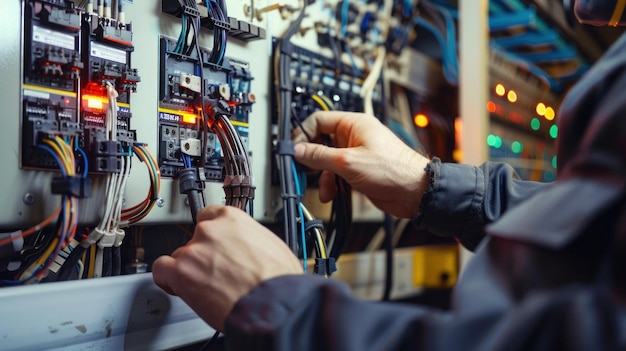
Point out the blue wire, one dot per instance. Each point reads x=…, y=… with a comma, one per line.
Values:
x=352, y=61
x=85, y=161
x=187, y=161
x=297, y=184
x=345, y=8
x=55, y=156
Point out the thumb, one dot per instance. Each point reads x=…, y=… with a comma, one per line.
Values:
x=317, y=156
x=163, y=270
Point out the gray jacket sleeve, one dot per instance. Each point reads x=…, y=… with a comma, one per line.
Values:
x=305, y=312
x=461, y=199
x=512, y=296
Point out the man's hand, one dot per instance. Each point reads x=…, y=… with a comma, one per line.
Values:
x=368, y=156
x=228, y=256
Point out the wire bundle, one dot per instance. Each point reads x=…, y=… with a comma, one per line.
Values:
x=62, y=151
x=283, y=52
x=108, y=233
x=217, y=13
x=340, y=223
x=136, y=213
x=440, y=23
x=238, y=180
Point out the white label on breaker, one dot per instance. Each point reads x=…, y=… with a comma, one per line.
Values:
x=108, y=53
x=51, y=37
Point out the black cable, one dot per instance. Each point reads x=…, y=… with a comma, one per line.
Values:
x=223, y=7
x=65, y=272
x=207, y=346
x=388, y=257
x=107, y=261
x=340, y=224
x=194, y=205
x=190, y=185
x=284, y=51
x=117, y=261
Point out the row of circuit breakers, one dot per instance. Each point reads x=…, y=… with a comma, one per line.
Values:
x=71, y=59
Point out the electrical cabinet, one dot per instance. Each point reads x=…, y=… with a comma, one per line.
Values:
x=107, y=109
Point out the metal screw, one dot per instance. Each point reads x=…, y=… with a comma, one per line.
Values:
x=28, y=199
x=247, y=10
x=160, y=202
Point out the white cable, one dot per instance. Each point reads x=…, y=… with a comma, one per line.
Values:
x=81, y=269
x=367, y=90
x=112, y=112
x=97, y=272
x=117, y=213
x=369, y=84
x=113, y=179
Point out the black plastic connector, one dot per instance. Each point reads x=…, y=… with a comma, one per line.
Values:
x=63, y=17
x=245, y=31
x=120, y=36
x=107, y=148
x=190, y=183
x=78, y=187
x=189, y=180
x=325, y=266
x=179, y=7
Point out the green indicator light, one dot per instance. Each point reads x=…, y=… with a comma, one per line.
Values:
x=491, y=140
x=554, y=161
x=535, y=123
x=549, y=175
x=554, y=131
x=517, y=147
x=498, y=142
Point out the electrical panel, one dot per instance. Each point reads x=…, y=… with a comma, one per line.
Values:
x=52, y=69
x=179, y=95
x=315, y=74
x=140, y=94
x=69, y=57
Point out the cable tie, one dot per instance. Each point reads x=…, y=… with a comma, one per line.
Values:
x=289, y=196
x=286, y=47
x=314, y=223
x=285, y=88
x=74, y=186
x=285, y=147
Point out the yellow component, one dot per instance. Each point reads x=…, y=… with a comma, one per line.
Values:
x=421, y=120
x=436, y=266
x=549, y=115
x=500, y=91
x=540, y=109
x=512, y=96
x=49, y=90
x=617, y=13
x=239, y=123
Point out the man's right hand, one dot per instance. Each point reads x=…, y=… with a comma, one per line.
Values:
x=368, y=156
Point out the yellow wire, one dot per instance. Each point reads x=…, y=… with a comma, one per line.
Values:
x=92, y=259
x=329, y=102
x=318, y=233
x=41, y=260
x=320, y=102
x=64, y=147
x=64, y=162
